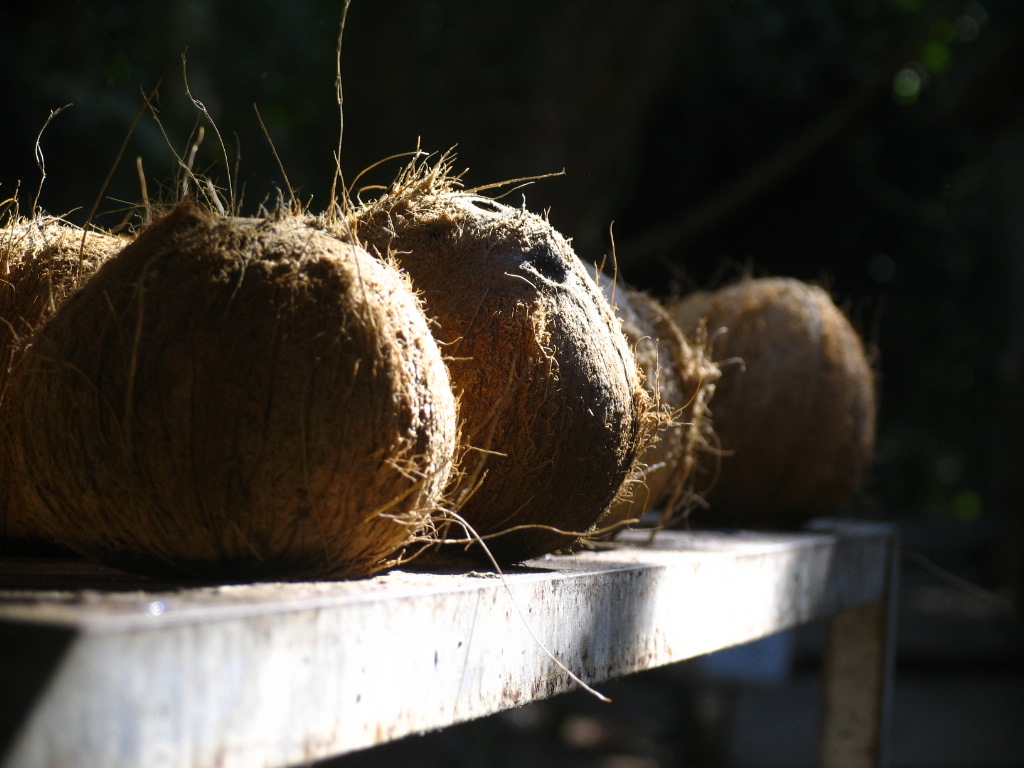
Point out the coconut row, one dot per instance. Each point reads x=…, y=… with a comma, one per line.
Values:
x=238, y=398
x=435, y=372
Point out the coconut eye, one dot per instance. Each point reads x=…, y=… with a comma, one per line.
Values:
x=486, y=205
x=547, y=264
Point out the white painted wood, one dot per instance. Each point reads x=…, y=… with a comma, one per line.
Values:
x=857, y=682
x=281, y=674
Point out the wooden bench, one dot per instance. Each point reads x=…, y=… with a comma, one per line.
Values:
x=132, y=674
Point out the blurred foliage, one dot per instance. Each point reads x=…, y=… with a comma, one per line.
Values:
x=853, y=142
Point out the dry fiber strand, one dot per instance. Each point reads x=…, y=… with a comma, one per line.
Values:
x=237, y=399
x=680, y=377
x=795, y=416
x=42, y=261
x=551, y=399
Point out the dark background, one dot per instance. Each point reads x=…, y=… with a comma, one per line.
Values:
x=874, y=146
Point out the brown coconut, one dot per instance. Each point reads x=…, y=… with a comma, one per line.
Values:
x=680, y=378
x=553, y=409
x=42, y=261
x=795, y=413
x=237, y=399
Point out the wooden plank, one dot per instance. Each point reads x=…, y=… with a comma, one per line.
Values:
x=280, y=674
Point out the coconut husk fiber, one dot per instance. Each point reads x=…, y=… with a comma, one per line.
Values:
x=237, y=399
x=795, y=411
x=42, y=261
x=552, y=405
x=680, y=377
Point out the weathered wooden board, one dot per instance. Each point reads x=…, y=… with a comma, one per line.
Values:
x=280, y=674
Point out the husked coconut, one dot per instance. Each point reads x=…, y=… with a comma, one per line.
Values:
x=795, y=416
x=553, y=410
x=42, y=261
x=680, y=378
x=236, y=399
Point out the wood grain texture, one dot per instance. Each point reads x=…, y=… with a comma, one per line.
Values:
x=276, y=674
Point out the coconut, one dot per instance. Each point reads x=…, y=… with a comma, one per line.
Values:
x=795, y=417
x=552, y=405
x=236, y=399
x=42, y=261
x=680, y=378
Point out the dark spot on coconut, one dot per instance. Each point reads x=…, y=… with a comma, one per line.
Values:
x=547, y=264
x=487, y=205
